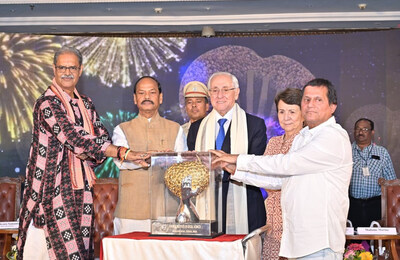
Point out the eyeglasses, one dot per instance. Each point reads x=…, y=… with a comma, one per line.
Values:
x=63, y=69
x=224, y=91
x=364, y=130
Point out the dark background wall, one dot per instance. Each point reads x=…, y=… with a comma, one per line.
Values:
x=364, y=66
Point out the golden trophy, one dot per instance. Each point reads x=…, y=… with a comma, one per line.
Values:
x=187, y=180
x=185, y=195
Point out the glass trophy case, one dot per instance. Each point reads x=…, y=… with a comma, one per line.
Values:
x=185, y=195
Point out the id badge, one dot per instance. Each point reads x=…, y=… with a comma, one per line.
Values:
x=365, y=171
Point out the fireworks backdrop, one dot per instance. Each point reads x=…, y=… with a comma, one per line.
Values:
x=25, y=65
x=364, y=66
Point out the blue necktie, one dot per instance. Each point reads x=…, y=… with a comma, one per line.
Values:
x=221, y=134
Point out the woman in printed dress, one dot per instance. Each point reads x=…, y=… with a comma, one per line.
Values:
x=288, y=104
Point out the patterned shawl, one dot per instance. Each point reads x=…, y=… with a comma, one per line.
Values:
x=75, y=162
x=50, y=201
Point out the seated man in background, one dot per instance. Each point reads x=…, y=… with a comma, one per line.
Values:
x=370, y=162
x=196, y=102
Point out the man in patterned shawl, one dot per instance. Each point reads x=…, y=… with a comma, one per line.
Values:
x=68, y=140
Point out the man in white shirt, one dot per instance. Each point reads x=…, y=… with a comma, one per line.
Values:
x=147, y=132
x=315, y=177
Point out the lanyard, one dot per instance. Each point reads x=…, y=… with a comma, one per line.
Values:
x=368, y=156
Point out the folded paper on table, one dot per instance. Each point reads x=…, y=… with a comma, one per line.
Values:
x=376, y=231
x=9, y=224
x=349, y=231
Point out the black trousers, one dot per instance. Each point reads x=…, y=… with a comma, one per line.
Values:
x=363, y=211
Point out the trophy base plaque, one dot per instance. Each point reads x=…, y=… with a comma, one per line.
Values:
x=205, y=229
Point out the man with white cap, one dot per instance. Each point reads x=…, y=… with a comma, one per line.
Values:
x=196, y=102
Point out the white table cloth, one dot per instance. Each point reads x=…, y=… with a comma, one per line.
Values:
x=138, y=245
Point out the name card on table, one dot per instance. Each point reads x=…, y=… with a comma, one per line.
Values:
x=349, y=231
x=9, y=224
x=376, y=231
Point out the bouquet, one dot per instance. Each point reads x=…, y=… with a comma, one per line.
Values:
x=357, y=252
x=12, y=255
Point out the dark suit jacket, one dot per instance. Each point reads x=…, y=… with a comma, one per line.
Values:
x=257, y=141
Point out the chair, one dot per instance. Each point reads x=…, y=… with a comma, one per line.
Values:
x=391, y=205
x=105, y=198
x=253, y=242
x=10, y=200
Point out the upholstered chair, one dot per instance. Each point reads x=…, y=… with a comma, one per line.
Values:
x=391, y=205
x=105, y=197
x=10, y=200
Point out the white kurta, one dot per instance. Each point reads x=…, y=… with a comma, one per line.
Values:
x=314, y=199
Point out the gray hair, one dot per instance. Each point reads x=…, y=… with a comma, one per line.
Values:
x=67, y=49
x=235, y=81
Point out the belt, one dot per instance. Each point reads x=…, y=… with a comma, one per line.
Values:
x=367, y=199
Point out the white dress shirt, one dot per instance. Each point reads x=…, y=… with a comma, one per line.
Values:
x=228, y=117
x=315, y=195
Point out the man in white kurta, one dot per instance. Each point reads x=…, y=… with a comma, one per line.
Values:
x=147, y=132
x=317, y=173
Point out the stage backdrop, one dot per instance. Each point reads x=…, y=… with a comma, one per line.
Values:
x=364, y=66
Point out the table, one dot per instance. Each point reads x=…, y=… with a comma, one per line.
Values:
x=391, y=238
x=140, y=245
x=8, y=232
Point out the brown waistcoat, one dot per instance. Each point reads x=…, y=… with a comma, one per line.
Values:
x=142, y=135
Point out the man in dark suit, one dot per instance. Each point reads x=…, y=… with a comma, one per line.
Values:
x=231, y=129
